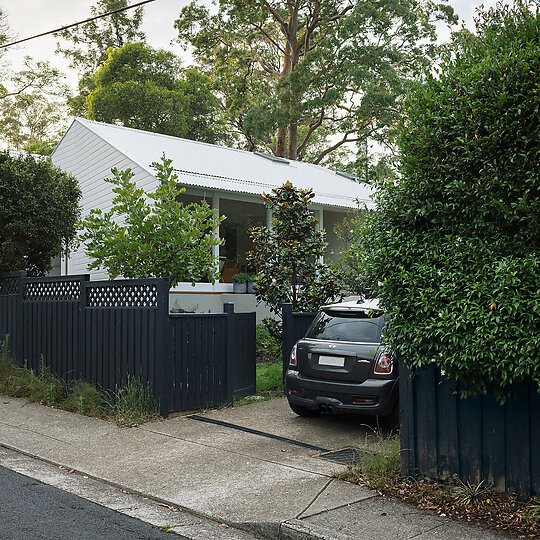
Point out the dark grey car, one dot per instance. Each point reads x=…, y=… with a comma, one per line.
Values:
x=341, y=366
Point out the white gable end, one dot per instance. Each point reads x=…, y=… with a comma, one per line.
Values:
x=89, y=158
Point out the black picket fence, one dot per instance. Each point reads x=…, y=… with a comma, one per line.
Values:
x=103, y=331
x=475, y=438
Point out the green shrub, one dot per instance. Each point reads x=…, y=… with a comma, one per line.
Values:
x=286, y=256
x=268, y=347
x=241, y=277
x=453, y=249
x=269, y=377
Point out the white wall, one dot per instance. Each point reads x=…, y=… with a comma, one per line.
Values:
x=90, y=159
x=213, y=303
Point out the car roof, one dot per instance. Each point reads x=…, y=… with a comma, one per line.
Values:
x=354, y=305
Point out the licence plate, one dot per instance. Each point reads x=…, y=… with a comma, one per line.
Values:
x=331, y=361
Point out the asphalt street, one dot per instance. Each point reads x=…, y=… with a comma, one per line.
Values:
x=32, y=510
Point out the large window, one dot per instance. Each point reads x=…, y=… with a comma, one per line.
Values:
x=234, y=230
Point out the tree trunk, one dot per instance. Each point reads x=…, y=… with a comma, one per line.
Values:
x=280, y=143
x=290, y=61
x=293, y=140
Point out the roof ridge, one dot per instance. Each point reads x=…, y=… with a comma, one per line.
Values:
x=292, y=162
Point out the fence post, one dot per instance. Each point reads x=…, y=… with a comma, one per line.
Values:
x=163, y=366
x=81, y=360
x=228, y=309
x=288, y=333
x=18, y=347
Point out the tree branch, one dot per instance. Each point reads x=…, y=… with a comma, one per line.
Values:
x=344, y=140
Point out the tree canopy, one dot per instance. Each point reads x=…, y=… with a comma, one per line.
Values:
x=145, y=88
x=152, y=234
x=306, y=77
x=32, y=107
x=454, y=246
x=86, y=46
x=39, y=210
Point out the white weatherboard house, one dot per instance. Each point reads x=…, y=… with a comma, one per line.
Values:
x=231, y=180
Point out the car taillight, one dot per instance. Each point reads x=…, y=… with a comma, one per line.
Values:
x=384, y=364
x=292, y=361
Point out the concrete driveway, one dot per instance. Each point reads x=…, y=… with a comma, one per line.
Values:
x=230, y=466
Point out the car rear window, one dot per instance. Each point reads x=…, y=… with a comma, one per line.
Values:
x=349, y=326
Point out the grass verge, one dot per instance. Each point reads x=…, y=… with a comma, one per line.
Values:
x=129, y=405
x=465, y=501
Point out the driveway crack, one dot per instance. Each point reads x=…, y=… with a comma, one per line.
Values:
x=315, y=498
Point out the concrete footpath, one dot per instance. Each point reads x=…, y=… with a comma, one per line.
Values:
x=256, y=471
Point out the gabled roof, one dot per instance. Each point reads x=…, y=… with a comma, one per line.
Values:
x=227, y=169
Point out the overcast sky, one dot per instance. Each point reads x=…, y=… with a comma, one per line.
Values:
x=30, y=17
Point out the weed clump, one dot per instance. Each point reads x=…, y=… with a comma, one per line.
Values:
x=129, y=405
x=134, y=403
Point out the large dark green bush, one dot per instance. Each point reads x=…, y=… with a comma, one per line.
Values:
x=39, y=210
x=454, y=246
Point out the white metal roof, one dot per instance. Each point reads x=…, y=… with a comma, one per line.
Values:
x=227, y=169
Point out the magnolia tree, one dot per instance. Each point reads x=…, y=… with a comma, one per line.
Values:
x=152, y=234
x=287, y=255
x=454, y=247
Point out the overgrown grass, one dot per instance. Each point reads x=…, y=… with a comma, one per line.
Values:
x=379, y=469
x=134, y=403
x=269, y=377
x=129, y=405
x=268, y=383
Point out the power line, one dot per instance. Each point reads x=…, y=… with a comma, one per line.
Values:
x=76, y=24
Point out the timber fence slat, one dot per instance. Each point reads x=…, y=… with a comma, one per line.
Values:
x=476, y=438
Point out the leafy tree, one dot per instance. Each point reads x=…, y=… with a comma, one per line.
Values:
x=29, y=122
x=39, y=209
x=31, y=101
x=32, y=106
x=91, y=41
x=454, y=245
x=5, y=32
x=144, y=88
x=297, y=73
x=152, y=234
x=286, y=256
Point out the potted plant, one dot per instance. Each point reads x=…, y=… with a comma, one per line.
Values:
x=251, y=280
x=240, y=282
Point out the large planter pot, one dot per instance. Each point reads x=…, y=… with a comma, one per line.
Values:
x=250, y=288
x=475, y=438
x=239, y=288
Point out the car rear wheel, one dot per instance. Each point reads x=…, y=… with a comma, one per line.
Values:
x=392, y=420
x=300, y=410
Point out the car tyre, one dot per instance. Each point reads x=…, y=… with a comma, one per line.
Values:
x=300, y=410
